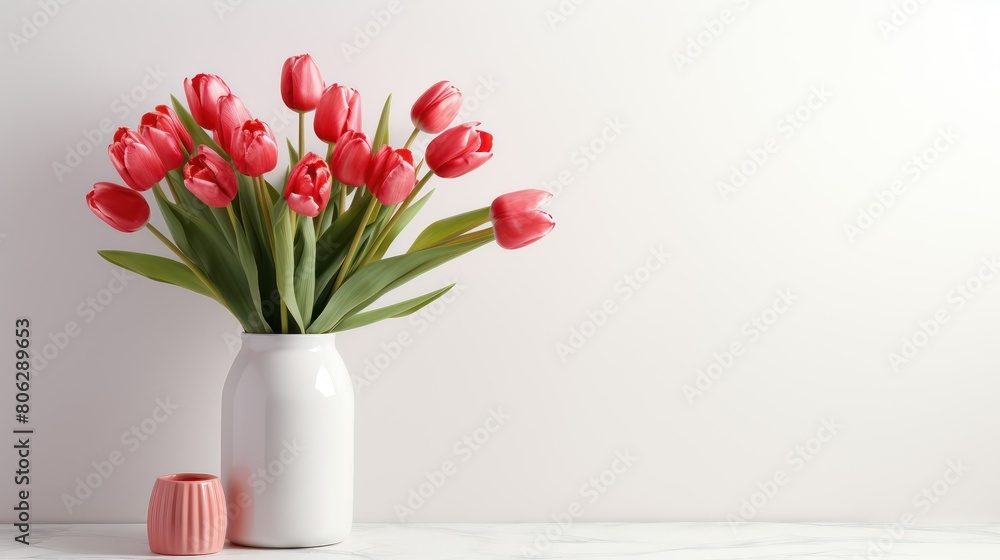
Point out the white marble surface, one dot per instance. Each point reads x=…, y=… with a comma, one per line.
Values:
x=668, y=541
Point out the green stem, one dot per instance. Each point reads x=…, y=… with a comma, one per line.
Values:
x=354, y=244
x=302, y=135
x=413, y=136
x=373, y=249
x=189, y=263
x=329, y=151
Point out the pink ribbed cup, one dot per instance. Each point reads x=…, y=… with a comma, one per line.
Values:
x=187, y=515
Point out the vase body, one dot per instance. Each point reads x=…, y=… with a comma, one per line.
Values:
x=288, y=442
x=186, y=515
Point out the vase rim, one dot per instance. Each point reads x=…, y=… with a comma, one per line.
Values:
x=187, y=478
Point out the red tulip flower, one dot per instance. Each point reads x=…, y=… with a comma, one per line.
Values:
x=308, y=188
x=351, y=158
x=517, y=220
x=210, y=178
x=459, y=150
x=162, y=130
x=301, y=83
x=254, y=149
x=120, y=207
x=232, y=114
x=203, y=93
x=436, y=108
x=391, y=176
x=339, y=110
x=135, y=161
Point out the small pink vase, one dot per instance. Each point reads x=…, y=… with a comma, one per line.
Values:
x=187, y=515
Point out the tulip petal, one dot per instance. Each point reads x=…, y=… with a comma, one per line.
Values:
x=520, y=230
x=462, y=165
x=143, y=165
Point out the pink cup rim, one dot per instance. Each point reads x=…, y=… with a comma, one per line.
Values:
x=187, y=478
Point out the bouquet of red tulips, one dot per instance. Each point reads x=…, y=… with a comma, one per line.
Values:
x=308, y=256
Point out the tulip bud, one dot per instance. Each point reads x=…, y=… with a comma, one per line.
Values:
x=339, y=110
x=517, y=202
x=120, y=207
x=254, y=149
x=436, y=108
x=308, y=187
x=351, y=158
x=203, y=93
x=232, y=114
x=391, y=176
x=210, y=178
x=459, y=150
x=301, y=83
x=162, y=131
x=517, y=221
x=136, y=162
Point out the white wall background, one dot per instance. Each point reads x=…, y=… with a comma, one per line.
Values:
x=554, y=86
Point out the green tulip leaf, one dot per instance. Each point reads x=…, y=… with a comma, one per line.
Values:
x=401, y=223
x=174, y=225
x=158, y=268
x=250, y=217
x=460, y=246
x=382, y=130
x=246, y=256
x=182, y=195
x=449, y=228
x=395, y=310
x=293, y=154
x=215, y=259
x=284, y=260
x=273, y=193
x=305, y=269
x=224, y=225
x=331, y=249
x=368, y=284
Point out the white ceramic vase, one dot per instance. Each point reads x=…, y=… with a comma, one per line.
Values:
x=288, y=442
